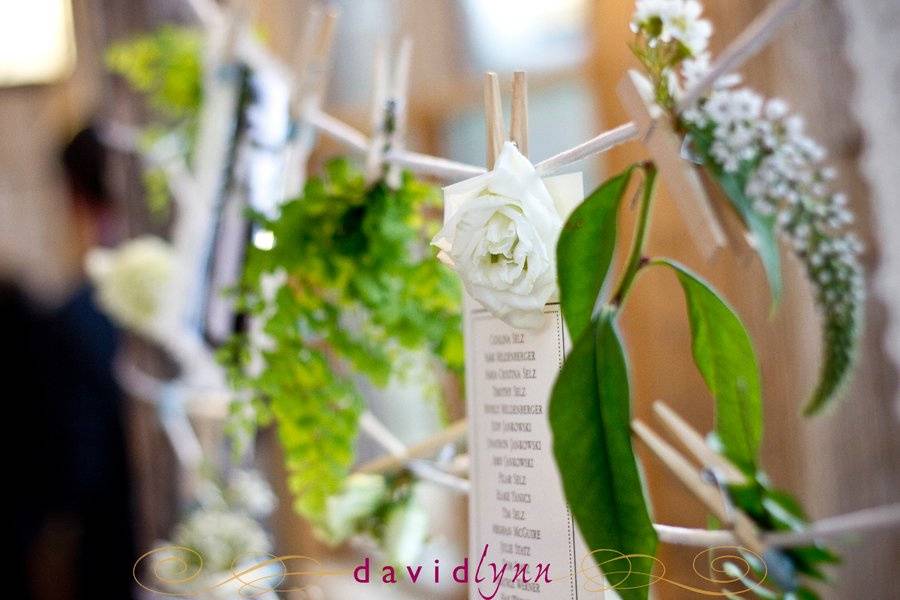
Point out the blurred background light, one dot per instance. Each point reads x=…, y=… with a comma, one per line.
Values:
x=37, y=41
x=527, y=34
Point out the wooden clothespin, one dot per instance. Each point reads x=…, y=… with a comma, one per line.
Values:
x=697, y=446
x=238, y=15
x=310, y=68
x=745, y=530
x=310, y=64
x=680, y=176
x=493, y=115
x=388, y=119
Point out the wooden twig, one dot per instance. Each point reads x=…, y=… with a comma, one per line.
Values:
x=432, y=165
x=415, y=161
x=689, y=536
x=429, y=472
x=339, y=131
x=423, y=449
x=375, y=429
x=879, y=518
x=596, y=145
x=882, y=517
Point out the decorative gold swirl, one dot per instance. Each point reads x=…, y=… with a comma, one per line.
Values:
x=599, y=573
x=175, y=567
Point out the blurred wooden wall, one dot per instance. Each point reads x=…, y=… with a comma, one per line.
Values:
x=844, y=460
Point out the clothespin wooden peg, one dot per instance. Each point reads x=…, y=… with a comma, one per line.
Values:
x=518, y=121
x=238, y=14
x=691, y=439
x=680, y=177
x=493, y=118
x=311, y=58
x=493, y=115
x=745, y=530
x=390, y=90
x=308, y=90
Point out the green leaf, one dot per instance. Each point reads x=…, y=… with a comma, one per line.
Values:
x=840, y=336
x=591, y=424
x=762, y=227
x=724, y=355
x=585, y=250
x=763, y=230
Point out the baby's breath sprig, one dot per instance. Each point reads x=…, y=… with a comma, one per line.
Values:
x=667, y=33
x=780, y=172
x=770, y=170
x=791, y=184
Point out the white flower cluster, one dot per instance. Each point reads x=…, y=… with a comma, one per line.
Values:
x=367, y=505
x=223, y=538
x=248, y=490
x=760, y=139
x=220, y=536
x=666, y=21
x=405, y=532
x=361, y=496
x=132, y=281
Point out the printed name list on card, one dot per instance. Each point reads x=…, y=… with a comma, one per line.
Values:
x=517, y=508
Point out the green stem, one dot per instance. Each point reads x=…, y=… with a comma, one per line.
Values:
x=636, y=259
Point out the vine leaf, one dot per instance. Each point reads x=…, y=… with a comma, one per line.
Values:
x=724, y=355
x=762, y=227
x=585, y=250
x=591, y=424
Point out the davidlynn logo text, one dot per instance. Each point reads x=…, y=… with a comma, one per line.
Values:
x=177, y=571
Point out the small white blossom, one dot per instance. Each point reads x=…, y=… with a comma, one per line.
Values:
x=666, y=21
x=786, y=181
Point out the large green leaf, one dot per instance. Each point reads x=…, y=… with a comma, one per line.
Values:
x=585, y=250
x=591, y=423
x=762, y=227
x=724, y=355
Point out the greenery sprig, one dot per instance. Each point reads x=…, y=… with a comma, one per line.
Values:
x=774, y=177
x=348, y=287
x=770, y=171
x=590, y=407
x=165, y=67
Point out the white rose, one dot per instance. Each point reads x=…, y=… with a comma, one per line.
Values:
x=405, y=532
x=132, y=281
x=500, y=236
x=362, y=494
